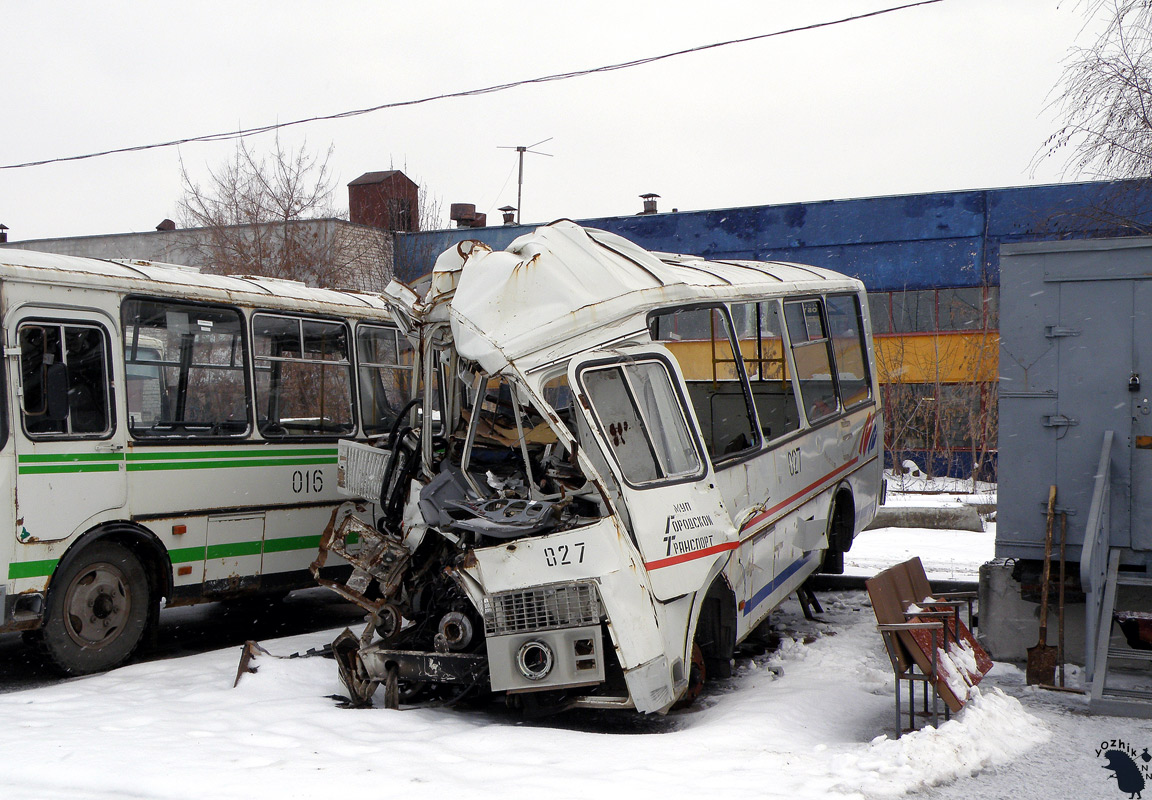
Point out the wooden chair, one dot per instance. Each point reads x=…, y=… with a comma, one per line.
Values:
x=896, y=630
x=916, y=625
x=921, y=587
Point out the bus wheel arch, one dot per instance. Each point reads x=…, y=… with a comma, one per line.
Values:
x=102, y=600
x=841, y=526
x=716, y=630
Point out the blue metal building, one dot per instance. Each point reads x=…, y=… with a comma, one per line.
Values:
x=931, y=264
x=903, y=242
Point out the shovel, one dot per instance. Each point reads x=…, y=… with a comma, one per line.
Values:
x=1042, y=658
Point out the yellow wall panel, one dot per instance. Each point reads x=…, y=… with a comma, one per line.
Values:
x=945, y=357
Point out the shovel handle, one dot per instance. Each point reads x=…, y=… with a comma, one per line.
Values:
x=1047, y=571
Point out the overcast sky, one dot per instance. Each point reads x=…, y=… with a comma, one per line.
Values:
x=945, y=96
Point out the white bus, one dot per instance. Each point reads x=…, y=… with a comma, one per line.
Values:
x=632, y=459
x=172, y=435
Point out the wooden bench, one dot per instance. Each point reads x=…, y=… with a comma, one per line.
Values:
x=925, y=638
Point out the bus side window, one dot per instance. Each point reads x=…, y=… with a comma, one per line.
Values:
x=812, y=354
x=303, y=376
x=759, y=329
x=386, y=362
x=702, y=343
x=186, y=370
x=846, y=333
x=64, y=371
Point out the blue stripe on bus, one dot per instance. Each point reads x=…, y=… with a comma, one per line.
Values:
x=776, y=583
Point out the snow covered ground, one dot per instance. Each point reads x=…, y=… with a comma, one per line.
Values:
x=947, y=555
x=811, y=719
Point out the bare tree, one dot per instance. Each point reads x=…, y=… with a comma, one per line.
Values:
x=1105, y=96
x=273, y=215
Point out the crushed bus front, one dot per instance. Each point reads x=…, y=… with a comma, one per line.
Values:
x=570, y=512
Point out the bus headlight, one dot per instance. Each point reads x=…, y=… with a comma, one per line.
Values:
x=535, y=660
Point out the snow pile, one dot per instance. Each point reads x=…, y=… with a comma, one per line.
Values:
x=959, y=668
x=992, y=729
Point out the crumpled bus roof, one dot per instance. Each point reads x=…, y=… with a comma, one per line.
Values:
x=563, y=281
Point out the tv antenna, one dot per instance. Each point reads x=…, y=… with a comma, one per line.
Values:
x=521, y=150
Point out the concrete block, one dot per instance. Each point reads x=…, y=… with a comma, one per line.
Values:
x=955, y=518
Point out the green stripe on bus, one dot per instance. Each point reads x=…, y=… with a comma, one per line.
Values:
x=182, y=555
x=58, y=468
x=234, y=549
x=292, y=543
x=32, y=569
x=273, y=462
x=169, y=455
x=48, y=458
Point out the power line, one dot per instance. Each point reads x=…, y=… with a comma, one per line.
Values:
x=500, y=87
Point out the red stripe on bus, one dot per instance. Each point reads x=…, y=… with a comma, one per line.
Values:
x=769, y=512
x=680, y=559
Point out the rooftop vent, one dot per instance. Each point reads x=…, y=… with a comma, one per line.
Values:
x=649, y=203
x=465, y=216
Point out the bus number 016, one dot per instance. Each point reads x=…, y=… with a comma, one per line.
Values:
x=308, y=481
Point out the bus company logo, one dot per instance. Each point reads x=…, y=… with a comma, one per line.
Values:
x=868, y=435
x=682, y=521
x=1131, y=771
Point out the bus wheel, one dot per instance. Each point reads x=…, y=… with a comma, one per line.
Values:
x=97, y=610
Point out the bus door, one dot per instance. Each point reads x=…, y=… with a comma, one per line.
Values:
x=832, y=377
x=637, y=409
x=7, y=476
x=69, y=447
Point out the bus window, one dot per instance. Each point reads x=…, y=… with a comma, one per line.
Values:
x=846, y=333
x=759, y=330
x=701, y=340
x=642, y=421
x=64, y=371
x=811, y=352
x=185, y=370
x=303, y=376
x=386, y=368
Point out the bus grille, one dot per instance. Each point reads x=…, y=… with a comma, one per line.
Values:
x=360, y=469
x=564, y=605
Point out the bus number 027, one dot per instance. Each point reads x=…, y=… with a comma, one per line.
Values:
x=562, y=554
x=308, y=481
x=794, y=461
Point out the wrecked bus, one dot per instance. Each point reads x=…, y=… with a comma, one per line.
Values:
x=616, y=465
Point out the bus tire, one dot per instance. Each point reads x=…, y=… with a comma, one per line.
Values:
x=97, y=610
x=716, y=631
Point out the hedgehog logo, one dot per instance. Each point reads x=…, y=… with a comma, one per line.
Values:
x=1130, y=771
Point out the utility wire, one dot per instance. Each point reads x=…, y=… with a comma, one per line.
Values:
x=500, y=87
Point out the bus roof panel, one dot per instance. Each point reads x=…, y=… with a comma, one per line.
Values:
x=181, y=280
x=565, y=283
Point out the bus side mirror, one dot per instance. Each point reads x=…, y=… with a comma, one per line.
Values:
x=55, y=382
